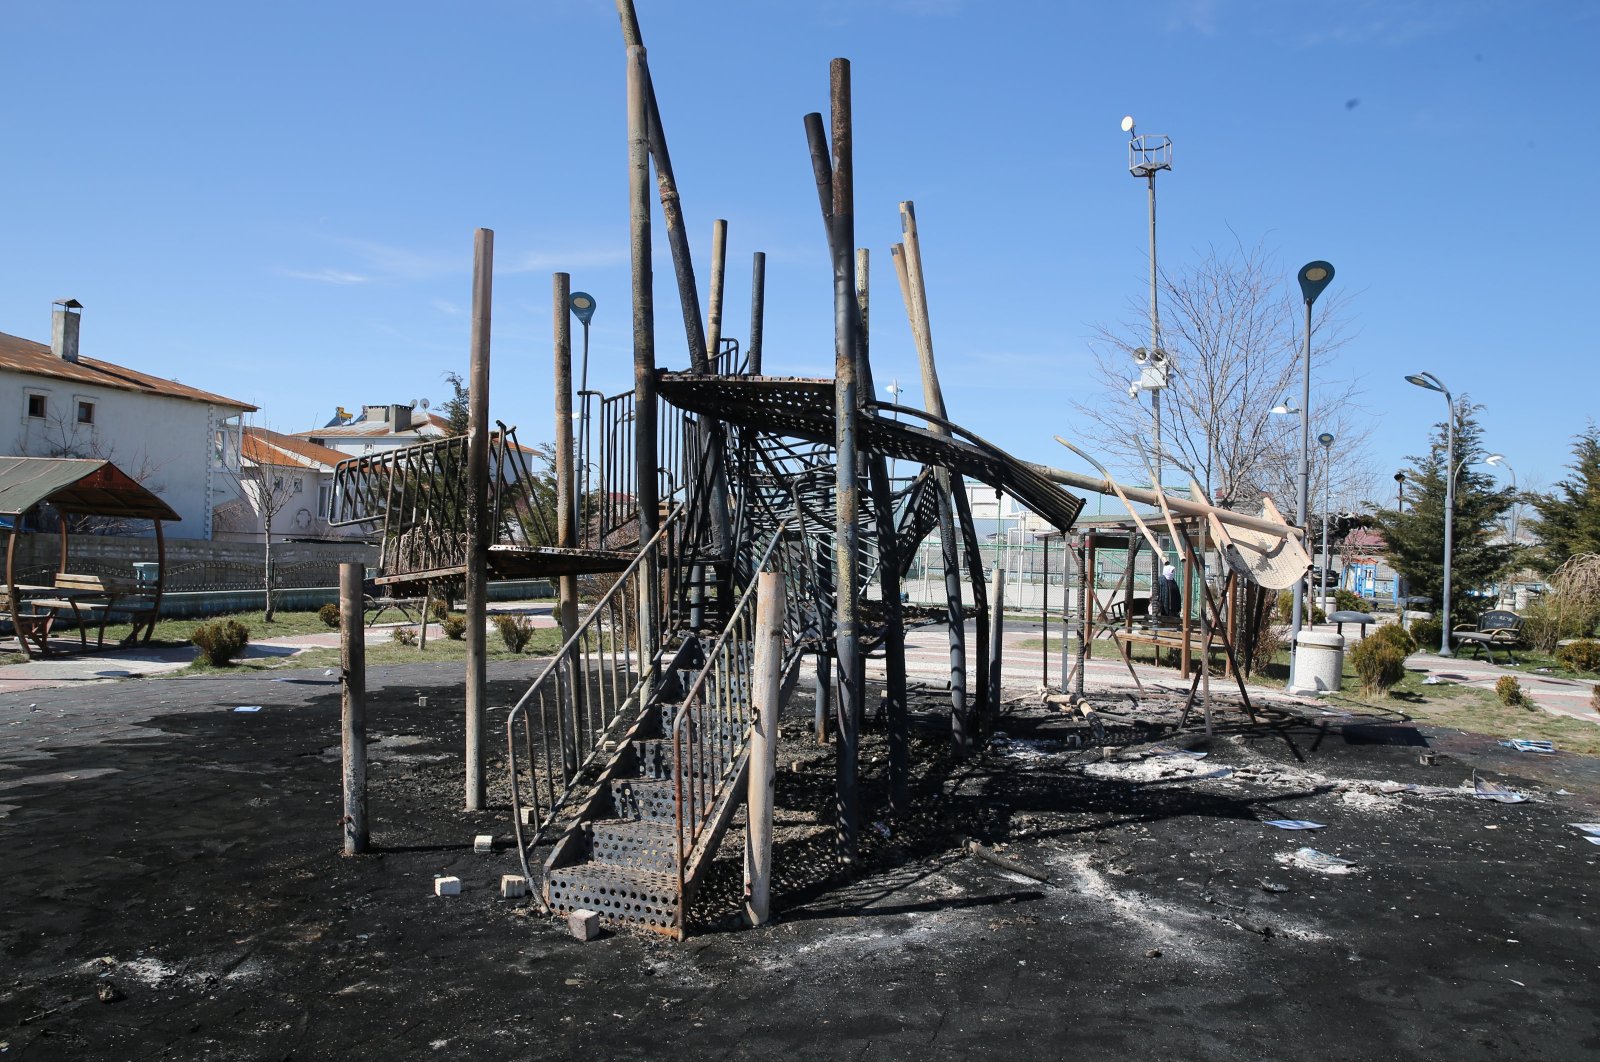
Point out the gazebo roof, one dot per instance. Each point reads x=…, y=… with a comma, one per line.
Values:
x=76, y=485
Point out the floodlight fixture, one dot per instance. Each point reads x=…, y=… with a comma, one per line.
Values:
x=1127, y=124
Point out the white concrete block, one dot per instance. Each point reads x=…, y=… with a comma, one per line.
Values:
x=585, y=925
x=513, y=886
x=447, y=886
x=529, y=817
x=483, y=843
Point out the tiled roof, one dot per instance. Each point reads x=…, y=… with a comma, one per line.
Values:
x=265, y=447
x=36, y=359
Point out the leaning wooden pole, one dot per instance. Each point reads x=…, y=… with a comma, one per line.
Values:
x=566, y=522
x=916, y=313
x=353, y=708
x=644, y=356
x=477, y=589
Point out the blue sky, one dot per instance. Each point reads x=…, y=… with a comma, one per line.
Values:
x=277, y=201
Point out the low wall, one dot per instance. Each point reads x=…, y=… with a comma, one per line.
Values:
x=192, y=564
x=294, y=599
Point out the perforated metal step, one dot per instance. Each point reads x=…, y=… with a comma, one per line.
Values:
x=622, y=897
x=643, y=800
x=632, y=845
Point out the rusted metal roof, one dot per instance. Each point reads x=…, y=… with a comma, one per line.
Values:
x=264, y=447
x=75, y=485
x=36, y=359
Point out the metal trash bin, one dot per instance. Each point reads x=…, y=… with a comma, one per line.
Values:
x=1318, y=662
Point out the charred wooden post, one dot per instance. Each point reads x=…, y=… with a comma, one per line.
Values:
x=758, y=308
x=566, y=514
x=953, y=491
x=719, y=269
x=894, y=635
x=644, y=352
x=847, y=556
x=353, y=709
x=478, y=515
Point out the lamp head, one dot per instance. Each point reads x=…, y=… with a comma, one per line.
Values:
x=1314, y=276
x=1326, y=439
x=1284, y=408
x=1127, y=124
x=1496, y=459
x=1399, y=477
x=581, y=303
x=1426, y=380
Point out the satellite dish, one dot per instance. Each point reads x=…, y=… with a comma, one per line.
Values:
x=414, y=402
x=1127, y=124
x=423, y=402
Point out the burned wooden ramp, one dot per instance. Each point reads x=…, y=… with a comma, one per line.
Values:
x=804, y=408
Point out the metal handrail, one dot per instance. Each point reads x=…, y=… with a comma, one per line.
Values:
x=615, y=689
x=727, y=673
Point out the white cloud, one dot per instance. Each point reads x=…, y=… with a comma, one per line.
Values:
x=327, y=276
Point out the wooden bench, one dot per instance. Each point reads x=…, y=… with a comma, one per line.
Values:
x=28, y=624
x=1167, y=638
x=99, y=596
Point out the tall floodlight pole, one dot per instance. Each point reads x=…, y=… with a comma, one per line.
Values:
x=1326, y=441
x=1314, y=277
x=581, y=303
x=1148, y=155
x=1431, y=382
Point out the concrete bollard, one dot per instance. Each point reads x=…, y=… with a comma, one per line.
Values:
x=447, y=886
x=585, y=925
x=513, y=886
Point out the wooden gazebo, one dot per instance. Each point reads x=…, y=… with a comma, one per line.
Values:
x=76, y=487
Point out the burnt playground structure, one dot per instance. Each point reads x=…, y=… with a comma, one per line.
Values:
x=674, y=502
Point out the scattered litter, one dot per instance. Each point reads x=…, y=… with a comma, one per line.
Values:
x=1527, y=745
x=1272, y=886
x=883, y=831
x=984, y=852
x=1167, y=750
x=248, y=708
x=1296, y=824
x=1496, y=792
x=327, y=671
x=1593, y=840
x=1544, y=670
x=1321, y=860
x=108, y=992
x=1516, y=982
x=1590, y=828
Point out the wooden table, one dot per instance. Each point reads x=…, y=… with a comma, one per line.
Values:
x=55, y=599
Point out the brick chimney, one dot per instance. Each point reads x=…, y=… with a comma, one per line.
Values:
x=64, y=329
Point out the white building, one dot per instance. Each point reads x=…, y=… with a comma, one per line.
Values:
x=378, y=428
x=288, y=480
x=179, y=441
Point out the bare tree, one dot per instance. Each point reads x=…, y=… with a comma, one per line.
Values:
x=1232, y=324
x=268, y=483
x=63, y=438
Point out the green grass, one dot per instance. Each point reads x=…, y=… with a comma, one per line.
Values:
x=1529, y=662
x=177, y=631
x=545, y=640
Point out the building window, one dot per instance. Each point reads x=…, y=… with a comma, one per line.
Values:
x=37, y=406
x=299, y=484
x=85, y=412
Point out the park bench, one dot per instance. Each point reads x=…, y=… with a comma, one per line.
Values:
x=97, y=597
x=28, y=623
x=1495, y=629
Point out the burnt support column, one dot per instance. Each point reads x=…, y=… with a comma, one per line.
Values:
x=644, y=355
x=478, y=515
x=353, y=708
x=758, y=308
x=847, y=558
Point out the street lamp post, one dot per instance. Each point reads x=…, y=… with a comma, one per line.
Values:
x=581, y=303
x=1326, y=439
x=1399, y=492
x=1314, y=277
x=1431, y=382
x=1499, y=461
